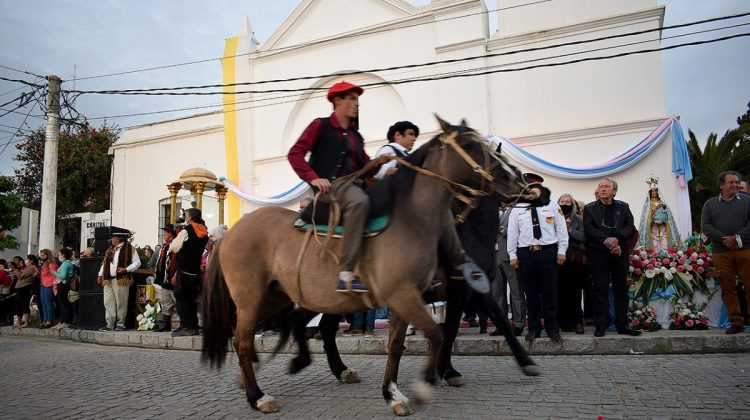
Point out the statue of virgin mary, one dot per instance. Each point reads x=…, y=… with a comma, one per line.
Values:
x=657, y=229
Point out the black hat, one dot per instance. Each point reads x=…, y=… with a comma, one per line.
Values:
x=532, y=178
x=120, y=232
x=169, y=228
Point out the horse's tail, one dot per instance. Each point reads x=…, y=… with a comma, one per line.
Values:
x=219, y=313
x=286, y=325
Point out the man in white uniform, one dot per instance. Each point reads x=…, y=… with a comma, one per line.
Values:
x=537, y=241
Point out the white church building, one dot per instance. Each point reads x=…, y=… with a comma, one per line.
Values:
x=572, y=123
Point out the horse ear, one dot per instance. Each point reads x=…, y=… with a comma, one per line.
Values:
x=464, y=123
x=499, y=147
x=443, y=124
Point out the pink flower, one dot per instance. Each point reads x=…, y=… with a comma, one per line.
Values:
x=652, y=260
x=694, y=257
x=689, y=267
x=689, y=323
x=703, y=320
x=680, y=268
x=673, y=264
x=665, y=261
x=650, y=267
x=701, y=269
x=677, y=322
x=658, y=264
x=647, y=324
x=638, y=271
x=681, y=260
x=634, y=322
x=653, y=312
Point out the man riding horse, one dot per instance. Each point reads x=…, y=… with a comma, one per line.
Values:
x=337, y=149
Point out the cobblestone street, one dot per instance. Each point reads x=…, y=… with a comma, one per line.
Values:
x=61, y=379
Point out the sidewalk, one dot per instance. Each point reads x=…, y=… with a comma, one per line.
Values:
x=469, y=342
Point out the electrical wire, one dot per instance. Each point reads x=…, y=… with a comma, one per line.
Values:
x=312, y=43
x=19, y=128
x=376, y=70
x=480, y=71
x=22, y=71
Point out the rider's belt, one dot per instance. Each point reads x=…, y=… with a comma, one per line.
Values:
x=538, y=247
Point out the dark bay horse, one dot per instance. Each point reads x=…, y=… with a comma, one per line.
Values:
x=263, y=263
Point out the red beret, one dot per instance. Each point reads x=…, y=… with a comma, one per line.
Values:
x=342, y=87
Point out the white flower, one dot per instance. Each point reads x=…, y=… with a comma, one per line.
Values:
x=663, y=269
x=638, y=312
x=673, y=270
x=139, y=317
x=700, y=261
x=650, y=274
x=668, y=275
x=680, y=253
x=631, y=269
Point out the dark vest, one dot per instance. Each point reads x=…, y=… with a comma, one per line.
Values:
x=189, y=257
x=331, y=156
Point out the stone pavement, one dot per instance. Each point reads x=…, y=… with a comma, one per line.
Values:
x=58, y=379
x=469, y=342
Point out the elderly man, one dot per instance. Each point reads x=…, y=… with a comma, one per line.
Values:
x=165, y=270
x=120, y=260
x=608, y=224
x=725, y=220
x=537, y=242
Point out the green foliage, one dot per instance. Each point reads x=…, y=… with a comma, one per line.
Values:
x=10, y=212
x=730, y=153
x=83, y=172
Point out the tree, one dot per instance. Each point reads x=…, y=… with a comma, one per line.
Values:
x=730, y=153
x=83, y=171
x=10, y=212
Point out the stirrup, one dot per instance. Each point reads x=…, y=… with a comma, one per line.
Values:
x=352, y=286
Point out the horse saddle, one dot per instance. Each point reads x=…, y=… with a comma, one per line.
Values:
x=381, y=197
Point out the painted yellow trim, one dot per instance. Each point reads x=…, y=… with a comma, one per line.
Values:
x=230, y=125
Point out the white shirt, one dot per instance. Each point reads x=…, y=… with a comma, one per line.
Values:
x=388, y=150
x=521, y=230
x=113, y=265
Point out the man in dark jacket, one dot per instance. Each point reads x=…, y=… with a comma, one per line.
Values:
x=188, y=245
x=165, y=270
x=337, y=149
x=608, y=224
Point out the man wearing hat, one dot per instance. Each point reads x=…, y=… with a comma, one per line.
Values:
x=165, y=270
x=337, y=149
x=120, y=260
x=188, y=245
x=537, y=242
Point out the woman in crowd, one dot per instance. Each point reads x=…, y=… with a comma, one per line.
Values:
x=6, y=281
x=49, y=287
x=63, y=277
x=572, y=275
x=26, y=271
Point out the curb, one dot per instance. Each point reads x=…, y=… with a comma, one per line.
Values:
x=468, y=343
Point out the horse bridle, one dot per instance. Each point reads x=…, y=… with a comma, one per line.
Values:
x=484, y=172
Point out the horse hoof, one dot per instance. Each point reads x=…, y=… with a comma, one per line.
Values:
x=401, y=408
x=531, y=370
x=422, y=392
x=267, y=404
x=350, y=376
x=455, y=382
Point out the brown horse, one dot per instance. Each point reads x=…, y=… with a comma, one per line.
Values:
x=263, y=262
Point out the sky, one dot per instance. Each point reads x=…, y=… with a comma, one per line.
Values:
x=75, y=39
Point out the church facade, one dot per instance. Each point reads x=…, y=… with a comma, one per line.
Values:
x=578, y=115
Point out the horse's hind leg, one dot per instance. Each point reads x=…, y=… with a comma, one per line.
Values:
x=328, y=326
x=393, y=396
x=244, y=344
x=457, y=293
x=522, y=357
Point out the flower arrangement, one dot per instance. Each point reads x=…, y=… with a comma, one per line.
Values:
x=688, y=316
x=656, y=270
x=147, y=320
x=643, y=319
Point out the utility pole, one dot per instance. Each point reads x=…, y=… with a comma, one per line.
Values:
x=48, y=215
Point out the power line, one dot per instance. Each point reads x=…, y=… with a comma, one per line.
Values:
x=22, y=71
x=487, y=70
x=20, y=81
x=311, y=43
x=148, y=91
x=19, y=128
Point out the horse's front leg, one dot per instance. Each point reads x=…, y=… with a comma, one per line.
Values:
x=244, y=345
x=328, y=326
x=456, y=295
x=528, y=366
x=299, y=320
x=399, y=402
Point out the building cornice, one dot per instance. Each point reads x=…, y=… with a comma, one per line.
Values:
x=128, y=144
x=459, y=46
x=500, y=42
x=586, y=133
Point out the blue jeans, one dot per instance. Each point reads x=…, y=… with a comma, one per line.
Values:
x=48, y=305
x=359, y=320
